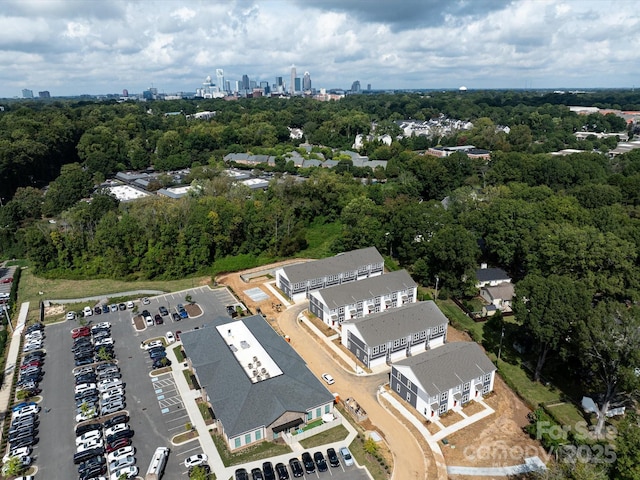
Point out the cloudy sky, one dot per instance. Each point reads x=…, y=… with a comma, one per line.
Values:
x=71, y=47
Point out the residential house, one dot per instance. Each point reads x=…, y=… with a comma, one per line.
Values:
x=444, y=378
x=256, y=384
x=490, y=276
x=296, y=281
x=500, y=296
x=336, y=304
x=391, y=335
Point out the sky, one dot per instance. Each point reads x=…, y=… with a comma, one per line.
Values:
x=73, y=47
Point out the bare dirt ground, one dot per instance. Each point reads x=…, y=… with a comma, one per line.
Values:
x=497, y=440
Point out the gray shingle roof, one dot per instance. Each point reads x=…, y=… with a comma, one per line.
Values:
x=491, y=274
x=349, y=293
x=333, y=265
x=378, y=328
x=448, y=366
x=241, y=405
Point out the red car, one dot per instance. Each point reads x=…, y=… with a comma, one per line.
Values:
x=122, y=442
x=80, y=332
x=32, y=363
x=7, y=280
x=178, y=332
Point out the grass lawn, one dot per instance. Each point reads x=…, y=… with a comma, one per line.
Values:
x=31, y=285
x=260, y=451
x=534, y=393
x=205, y=412
x=460, y=320
x=334, y=434
x=178, y=352
x=187, y=375
x=320, y=237
x=567, y=413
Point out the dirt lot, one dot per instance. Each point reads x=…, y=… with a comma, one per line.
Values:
x=497, y=440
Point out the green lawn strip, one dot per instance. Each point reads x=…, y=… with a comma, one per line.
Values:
x=178, y=353
x=204, y=411
x=187, y=375
x=252, y=453
x=334, y=434
x=532, y=392
x=460, y=320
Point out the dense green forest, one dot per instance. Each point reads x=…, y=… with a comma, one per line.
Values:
x=567, y=228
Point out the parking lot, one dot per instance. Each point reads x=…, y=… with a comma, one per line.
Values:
x=153, y=403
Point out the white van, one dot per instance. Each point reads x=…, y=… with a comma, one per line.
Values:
x=158, y=462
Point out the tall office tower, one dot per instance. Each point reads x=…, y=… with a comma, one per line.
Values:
x=220, y=79
x=306, y=82
x=44, y=94
x=279, y=81
x=355, y=87
x=298, y=84
x=26, y=93
x=265, y=87
x=292, y=84
x=227, y=86
x=125, y=92
x=245, y=82
x=368, y=87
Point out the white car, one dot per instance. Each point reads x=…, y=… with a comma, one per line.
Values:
x=108, y=384
x=88, y=437
x=121, y=452
x=195, y=460
x=83, y=387
x=122, y=462
x=87, y=311
x=328, y=378
x=129, y=304
x=114, y=392
x=119, y=427
x=95, y=443
x=145, y=301
x=101, y=325
x=154, y=344
x=128, y=472
x=26, y=410
x=71, y=315
x=170, y=337
x=346, y=456
x=17, y=452
x=104, y=341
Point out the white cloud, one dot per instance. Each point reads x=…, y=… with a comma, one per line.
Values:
x=117, y=44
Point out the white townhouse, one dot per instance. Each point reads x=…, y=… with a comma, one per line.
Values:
x=296, y=281
x=388, y=336
x=444, y=378
x=339, y=303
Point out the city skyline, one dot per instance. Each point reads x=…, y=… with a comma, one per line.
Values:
x=73, y=47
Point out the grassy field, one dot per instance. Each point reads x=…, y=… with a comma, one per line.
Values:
x=250, y=454
x=334, y=434
x=31, y=286
x=460, y=320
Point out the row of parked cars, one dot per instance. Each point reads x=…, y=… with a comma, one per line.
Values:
x=23, y=429
x=99, y=309
x=309, y=464
x=158, y=354
x=100, y=392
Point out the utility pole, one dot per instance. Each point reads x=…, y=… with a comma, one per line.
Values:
x=501, y=337
x=437, y=280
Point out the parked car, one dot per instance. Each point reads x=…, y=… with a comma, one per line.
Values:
x=296, y=467
x=121, y=452
x=161, y=363
x=346, y=456
x=269, y=472
x=71, y=316
x=158, y=319
x=114, y=307
x=170, y=337
x=175, y=317
x=145, y=301
x=115, y=445
x=320, y=462
x=163, y=310
x=333, y=457
x=128, y=472
x=121, y=418
x=195, y=460
x=256, y=474
x=241, y=474
x=87, y=311
x=130, y=304
x=281, y=470
x=307, y=460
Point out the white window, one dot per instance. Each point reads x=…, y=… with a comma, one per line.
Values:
x=409, y=384
x=375, y=351
x=398, y=387
x=409, y=397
